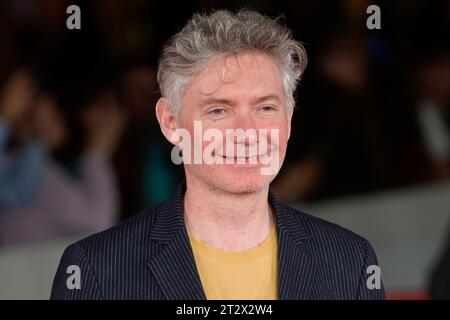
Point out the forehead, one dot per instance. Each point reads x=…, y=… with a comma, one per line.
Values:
x=238, y=76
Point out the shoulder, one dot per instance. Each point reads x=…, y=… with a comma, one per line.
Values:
x=128, y=235
x=341, y=258
x=104, y=259
x=320, y=228
x=327, y=240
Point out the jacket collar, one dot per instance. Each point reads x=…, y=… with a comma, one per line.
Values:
x=174, y=266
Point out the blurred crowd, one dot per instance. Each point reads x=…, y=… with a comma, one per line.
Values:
x=80, y=148
x=358, y=131
x=39, y=197
x=61, y=176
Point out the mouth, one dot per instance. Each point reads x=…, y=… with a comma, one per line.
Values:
x=241, y=159
x=252, y=159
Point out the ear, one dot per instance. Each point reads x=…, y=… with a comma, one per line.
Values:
x=167, y=120
x=289, y=116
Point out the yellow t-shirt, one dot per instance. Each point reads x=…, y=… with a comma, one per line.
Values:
x=250, y=274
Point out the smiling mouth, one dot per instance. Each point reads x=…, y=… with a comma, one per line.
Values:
x=242, y=159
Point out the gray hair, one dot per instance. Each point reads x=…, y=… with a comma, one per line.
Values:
x=207, y=37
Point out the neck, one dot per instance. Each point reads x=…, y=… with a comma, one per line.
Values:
x=227, y=221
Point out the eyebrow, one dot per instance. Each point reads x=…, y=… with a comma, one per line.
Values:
x=209, y=101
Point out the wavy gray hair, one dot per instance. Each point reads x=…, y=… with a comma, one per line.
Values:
x=207, y=37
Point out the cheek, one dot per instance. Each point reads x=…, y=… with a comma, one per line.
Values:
x=284, y=136
x=279, y=129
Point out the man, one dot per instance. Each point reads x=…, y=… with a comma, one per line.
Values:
x=224, y=235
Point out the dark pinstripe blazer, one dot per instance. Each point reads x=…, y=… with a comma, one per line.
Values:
x=149, y=257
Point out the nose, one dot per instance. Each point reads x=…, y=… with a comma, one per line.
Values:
x=243, y=119
x=244, y=129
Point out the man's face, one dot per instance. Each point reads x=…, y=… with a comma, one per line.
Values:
x=242, y=91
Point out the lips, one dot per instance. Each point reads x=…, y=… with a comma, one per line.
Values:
x=243, y=158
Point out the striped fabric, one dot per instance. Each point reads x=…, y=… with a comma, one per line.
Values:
x=149, y=257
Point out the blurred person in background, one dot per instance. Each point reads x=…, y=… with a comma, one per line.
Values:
x=337, y=148
x=21, y=173
x=60, y=205
x=152, y=176
x=433, y=112
x=439, y=277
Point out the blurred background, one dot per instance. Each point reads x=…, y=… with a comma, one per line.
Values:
x=80, y=148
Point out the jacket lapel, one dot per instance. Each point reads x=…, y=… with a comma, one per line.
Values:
x=174, y=266
x=296, y=265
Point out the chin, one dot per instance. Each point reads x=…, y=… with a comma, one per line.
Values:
x=233, y=179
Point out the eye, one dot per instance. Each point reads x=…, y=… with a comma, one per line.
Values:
x=217, y=111
x=268, y=108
